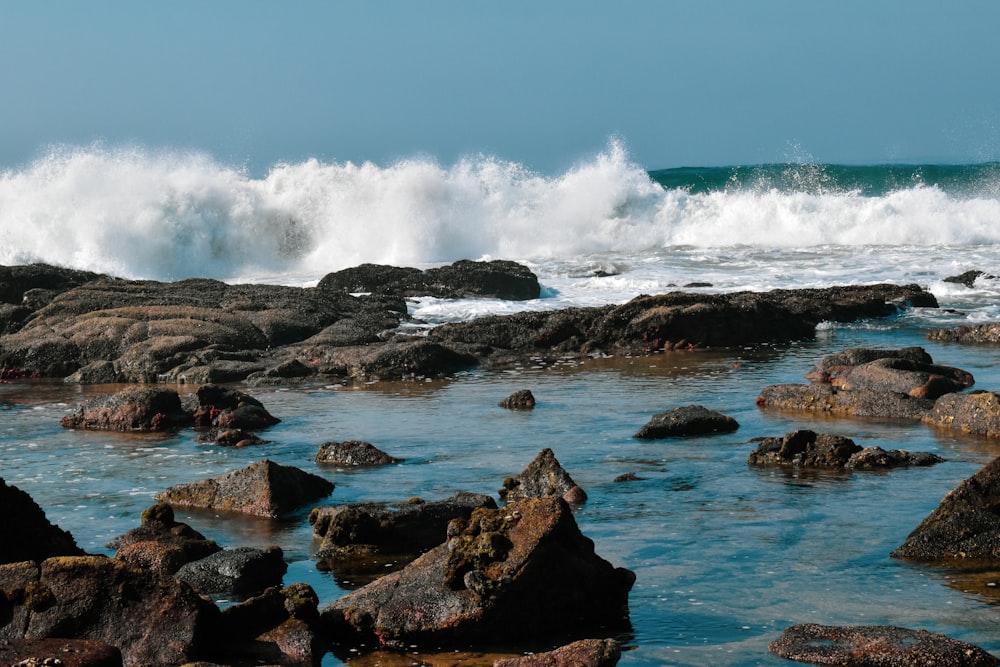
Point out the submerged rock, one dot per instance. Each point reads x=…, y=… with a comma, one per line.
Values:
x=27, y=534
x=543, y=477
x=921, y=380
x=524, y=571
x=264, y=489
x=827, y=399
x=808, y=449
x=976, y=334
x=582, y=653
x=353, y=453
x=688, y=420
x=876, y=646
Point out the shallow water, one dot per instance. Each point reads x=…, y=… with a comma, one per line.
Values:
x=726, y=555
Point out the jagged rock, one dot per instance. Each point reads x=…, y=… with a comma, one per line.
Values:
x=968, y=278
x=59, y=653
x=152, y=620
x=543, y=477
x=977, y=412
x=522, y=571
x=826, y=398
x=18, y=281
x=808, y=449
x=876, y=646
x=162, y=544
x=132, y=409
x=362, y=536
x=353, y=453
x=26, y=533
x=582, y=653
x=688, y=420
x=263, y=489
x=240, y=570
x=521, y=399
x=964, y=527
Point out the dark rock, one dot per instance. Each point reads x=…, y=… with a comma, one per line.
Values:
x=968, y=278
x=811, y=450
x=523, y=571
x=964, y=527
x=543, y=477
x=876, y=458
x=233, y=437
x=826, y=399
x=688, y=420
x=521, y=399
x=17, y=281
x=876, y=646
x=353, y=453
x=582, y=653
x=241, y=570
x=275, y=627
x=366, y=533
x=976, y=334
x=902, y=375
x=246, y=417
x=61, y=652
x=132, y=409
x=628, y=477
x=152, y=620
x=261, y=489
x=856, y=356
x=977, y=412
x=161, y=544
x=224, y=398
x=97, y=372
x=27, y=534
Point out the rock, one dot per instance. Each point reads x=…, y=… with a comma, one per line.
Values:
x=233, y=437
x=968, y=278
x=808, y=449
x=161, y=544
x=857, y=356
x=543, y=477
x=582, y=653
x=498, y=279
x=827, y=399
x=353, y=453
x=241, y=570
x=61, y=652
x=17, y=281
x=688, y=420
x=26, y=533
x=977, y=413
x=876, y=646
x=902, y=376
x=964, y=527
x=358, y=536
x=521, y=399
x=976, y=334
x=628, y=477
x=522, y=571
x=415, y=359
x=132, y=409
x=262, y=489
x=152, y=620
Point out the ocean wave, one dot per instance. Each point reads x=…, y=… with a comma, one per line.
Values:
x=141, y=213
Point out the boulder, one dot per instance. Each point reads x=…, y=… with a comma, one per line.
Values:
x=964, y=527
x=876, y=646
x=27, y=534
x=828, y=399
x=903, y=376
x=543, y=477
x=808, y=449
x=361, y=536
x=857, y=356
x=240, y=570
x=582, y=653
x=152, y=620
x=524, y=571
x=141, y=409
x=353, y=453
x=521, y=399
x=60, y=652
x=264, y=489
x=161, y=544
x=688, y=420
x=977, y=413
x=968, y=278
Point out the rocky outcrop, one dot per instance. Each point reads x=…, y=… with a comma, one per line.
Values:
x=240, y=570
x=977, y=413
x=920, y=380
x=362, y=538
x=968, y=278
x=134, y=409
x=152, y=620
x=808, y=449
x=161, y=544
x=685, y=421
x=543, y=477
x=352, y=454
x=524, y=571
x=522, y=399
x=264, y=489
x=857, y=356
x=975, y=334
x=876, y=646
x=582, y=653
x=964, y=528
x=59, y=652
x=26, y=533
x=499, y=279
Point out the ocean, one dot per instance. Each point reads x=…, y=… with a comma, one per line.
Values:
x=726, y=555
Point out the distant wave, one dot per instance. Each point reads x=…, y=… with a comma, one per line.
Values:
x=167, y=215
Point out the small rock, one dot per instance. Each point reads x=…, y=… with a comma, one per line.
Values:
x=522, y=399
x=543, y=477
x=689, y=420
x=353, y=453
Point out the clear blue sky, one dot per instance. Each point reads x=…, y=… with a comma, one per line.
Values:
x=541, y=82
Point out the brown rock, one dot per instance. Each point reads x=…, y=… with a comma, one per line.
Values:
x=521, y=399
x=132, y=409
x=689, y=420
x=261, y=489
x=543, y=477
x=876, y=646
x=811, y=450
x=582, y=653
x=61, y=652
x=162, y=544
x=902, y=375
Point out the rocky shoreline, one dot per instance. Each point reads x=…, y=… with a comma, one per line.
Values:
x=464, y=570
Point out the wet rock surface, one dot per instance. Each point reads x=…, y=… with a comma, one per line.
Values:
x=499, y=279
x=353, y=453
x=876, y=646
x=161, y=544
x=582, y=653
x=239, y=570
x=59, y=653
x=522, y=399
x=26, y=533
x=809, y=449
x=686, y=421
x=543, y=477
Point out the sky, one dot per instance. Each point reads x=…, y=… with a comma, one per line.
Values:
x=545, y=84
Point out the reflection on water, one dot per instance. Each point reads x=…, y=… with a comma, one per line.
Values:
x=727, y=555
